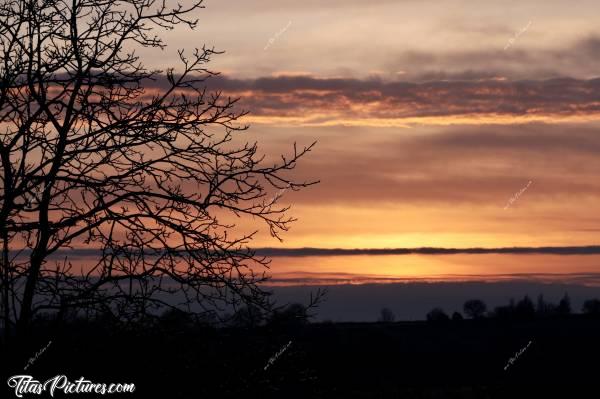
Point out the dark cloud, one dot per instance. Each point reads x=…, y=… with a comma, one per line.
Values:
x=517, y=62
x=469, y=92
x=82, y=253
x=293, y=5
x=348, y=98
x=301, y=252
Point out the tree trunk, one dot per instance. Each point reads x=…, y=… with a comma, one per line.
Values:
x=32, y=278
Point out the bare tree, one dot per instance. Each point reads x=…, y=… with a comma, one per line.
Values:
x=91, y=157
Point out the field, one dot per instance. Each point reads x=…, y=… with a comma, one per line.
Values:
x=454, y=359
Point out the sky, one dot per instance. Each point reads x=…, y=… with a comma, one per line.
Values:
x=413, y=301
x=457, y=124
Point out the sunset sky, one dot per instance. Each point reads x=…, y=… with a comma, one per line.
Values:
x=468, y=125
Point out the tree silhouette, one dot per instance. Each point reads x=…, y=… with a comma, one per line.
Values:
x=541, y=307
x=525, y=309
x=591, y=307
x=437, y=315
x=386, y=315
x=474, y=308
x=564, y=306
x=142, y=166
x=546, y=309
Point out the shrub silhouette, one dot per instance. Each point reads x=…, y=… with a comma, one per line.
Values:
x=504, y=312
x=474, y=308
x=386, y=315
x=248, y=317
x=457, y=316
x=437, y=315
x=291, y=316
x=176, y=319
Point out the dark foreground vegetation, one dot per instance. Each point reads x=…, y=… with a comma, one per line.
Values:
x=289, y=358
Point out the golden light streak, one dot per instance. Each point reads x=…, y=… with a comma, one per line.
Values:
x=328, y=120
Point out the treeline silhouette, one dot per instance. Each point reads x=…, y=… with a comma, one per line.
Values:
x=173, y=319
x=524, y=309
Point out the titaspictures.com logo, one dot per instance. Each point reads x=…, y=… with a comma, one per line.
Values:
x=26, y=384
